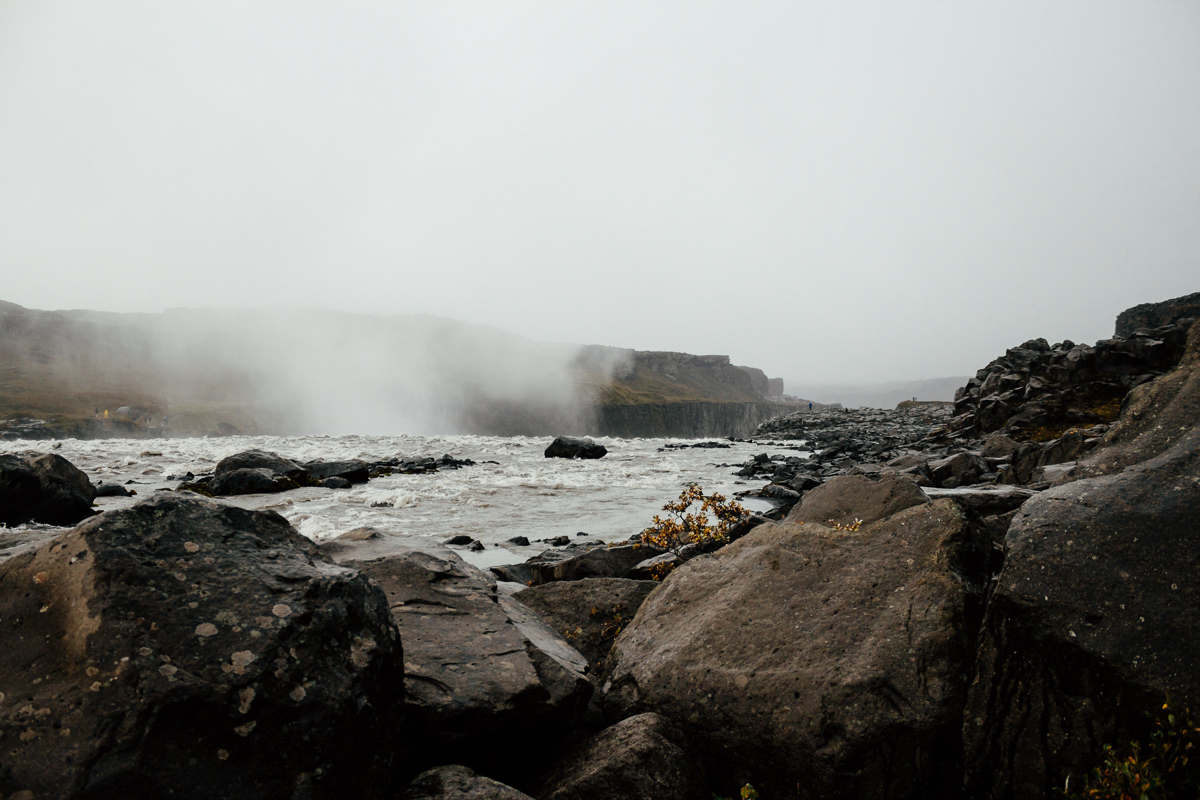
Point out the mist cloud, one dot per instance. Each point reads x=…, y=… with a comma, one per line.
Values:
x=833, y=193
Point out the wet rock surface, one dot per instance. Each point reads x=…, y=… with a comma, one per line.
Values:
x=800, y=655
x=486, y=679
x=569, y=447
x=43, y=488
x=185, y=648
x=264, y=472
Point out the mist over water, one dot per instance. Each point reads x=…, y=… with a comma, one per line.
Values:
x=325, y=372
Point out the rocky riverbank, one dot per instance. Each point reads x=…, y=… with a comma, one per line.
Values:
x=931, y=614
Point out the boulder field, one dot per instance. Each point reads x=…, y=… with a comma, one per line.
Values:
x=927, y=614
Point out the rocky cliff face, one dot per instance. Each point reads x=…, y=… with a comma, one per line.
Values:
x=686, y=420
x=655, y=393
x=1156, y=315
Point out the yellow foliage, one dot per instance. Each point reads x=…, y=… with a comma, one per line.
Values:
x=682, y=526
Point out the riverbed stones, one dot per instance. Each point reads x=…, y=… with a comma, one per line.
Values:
x=43, y=488
x=486, y=679
x=185, y=648
x=846, y=498
x=570, y=447
x=801, y=656
x=352, y=470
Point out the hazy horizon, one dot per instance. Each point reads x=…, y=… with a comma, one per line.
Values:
x=858, y=193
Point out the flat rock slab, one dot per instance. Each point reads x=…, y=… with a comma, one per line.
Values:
x=486, y=679
x=804, y=656
x=185, y=648
x=986, y=501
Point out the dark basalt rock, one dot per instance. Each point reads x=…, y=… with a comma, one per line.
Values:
x=456, y=782
x=112, y=490
x=590, y=613
x=43, y=488
x=336, y=483
x=1156, y=315
x=594, y=562
x=189, y=649
x=960, y=469
x=1094, y=615
x=486, y=679
x=1038, y=391
x=354, y=471
x=643, y=756
x=568, y=447
x=261, y=459
x=249, y=481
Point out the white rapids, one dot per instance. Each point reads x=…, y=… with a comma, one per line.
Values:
x=522, y=494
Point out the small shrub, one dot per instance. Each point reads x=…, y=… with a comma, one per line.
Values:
x=1164, y=769
x=683, y=527
x=748, y=792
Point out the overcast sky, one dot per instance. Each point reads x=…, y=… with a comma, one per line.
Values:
x=829, y=191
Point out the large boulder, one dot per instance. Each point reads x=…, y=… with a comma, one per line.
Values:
x=189, y=649
x=643, y=756
x=249, y=481
x=960, y=469
x=568, y=447
x=590, y=613
x=1094, y=616
x=850, y=497
x=456, y=782
x=43, y=488
x=486, y=679
x=353, y=470
x=817, y=662
x=262, y=459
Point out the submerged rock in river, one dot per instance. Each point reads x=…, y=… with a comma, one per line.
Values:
x=568, y=447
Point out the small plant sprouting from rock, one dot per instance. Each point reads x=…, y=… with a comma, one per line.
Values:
x=748, y=792
x=682, y=526
x=1164, y=769
x=852, y=526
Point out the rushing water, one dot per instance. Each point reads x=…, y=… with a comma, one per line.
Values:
x=521, y=494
